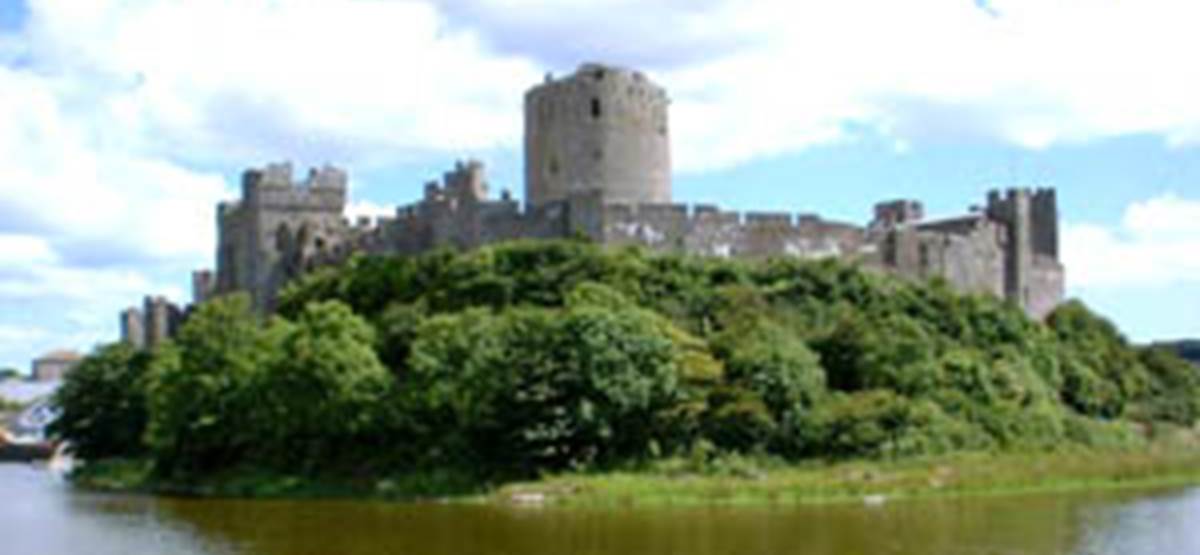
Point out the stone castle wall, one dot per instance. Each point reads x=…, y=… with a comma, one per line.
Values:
x=278, y=228
x=598, y=166
x=706, y=230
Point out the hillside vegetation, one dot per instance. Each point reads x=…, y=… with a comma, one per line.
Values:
x=531, y=357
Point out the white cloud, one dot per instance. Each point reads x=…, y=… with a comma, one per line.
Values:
x=756, y=78
x=348, y=79
x=1157, y=244
x=365, y=83
x=24, y=249
x=20, y=334
x=1040, y=73
x=366, y=209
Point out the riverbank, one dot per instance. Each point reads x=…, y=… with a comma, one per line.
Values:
x=725, y=480
x=872, y=482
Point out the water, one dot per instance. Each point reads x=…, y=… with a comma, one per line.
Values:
x=41, y=516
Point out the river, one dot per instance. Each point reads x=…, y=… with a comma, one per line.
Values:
x=40, y=515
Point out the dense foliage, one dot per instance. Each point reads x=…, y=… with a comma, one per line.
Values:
x=103, y=403
x=536, y=356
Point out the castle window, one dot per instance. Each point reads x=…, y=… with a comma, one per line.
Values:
x=599, y=74
x=595, y=107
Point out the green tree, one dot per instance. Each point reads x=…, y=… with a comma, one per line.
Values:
x=202, y=388
x=322, y=392
x=103, y=403
x=1102, y=374
x=535, y=389
x=397, y=328
x=1174, y=393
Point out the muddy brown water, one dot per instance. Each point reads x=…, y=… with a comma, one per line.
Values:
x=39, y=515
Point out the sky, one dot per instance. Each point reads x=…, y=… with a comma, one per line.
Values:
x=123, y=123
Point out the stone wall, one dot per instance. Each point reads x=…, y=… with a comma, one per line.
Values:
x=278, y=232
x=157, y=321
x=278, y=229
x=706, y=230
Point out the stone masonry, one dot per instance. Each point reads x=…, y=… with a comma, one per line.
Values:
x=154, y=323
x=597, y=164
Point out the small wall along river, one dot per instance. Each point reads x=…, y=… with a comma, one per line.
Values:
x=40, y=515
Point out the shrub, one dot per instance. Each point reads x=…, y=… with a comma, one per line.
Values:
x=322, y=393
x=103, y=403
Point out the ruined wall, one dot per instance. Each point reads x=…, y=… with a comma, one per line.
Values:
x=601, y=129
x=1033, y=274
x=277, y=232
x=203, y=284
x=1047, y=287
x=705, y=230
x=972, y=260
x=1043, y=213
x=132, y=327
x=161, y=320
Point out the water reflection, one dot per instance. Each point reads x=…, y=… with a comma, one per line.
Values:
x=39, y=516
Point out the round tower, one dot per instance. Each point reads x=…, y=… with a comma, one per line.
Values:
x=602, y=129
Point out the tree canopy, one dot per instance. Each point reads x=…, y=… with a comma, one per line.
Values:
x=529, y=356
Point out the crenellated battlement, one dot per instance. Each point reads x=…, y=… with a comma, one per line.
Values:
x=708, y=213
x=272, y=186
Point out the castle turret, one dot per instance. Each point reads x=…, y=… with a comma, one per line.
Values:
x=602, y=129
x=1033, y=274
x=276, y=228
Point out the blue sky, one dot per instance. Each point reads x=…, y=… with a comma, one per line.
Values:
x=126, y=121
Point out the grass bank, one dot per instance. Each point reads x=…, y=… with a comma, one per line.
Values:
x=138, y=476
x=724, y=480
x=746, y=481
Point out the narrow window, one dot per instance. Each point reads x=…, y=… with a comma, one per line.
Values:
x=595, y=107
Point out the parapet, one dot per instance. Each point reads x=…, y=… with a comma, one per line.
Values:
x=769, y=218
x=590, y=73
x=466, y=181
x=323, y=189
x=327, y=176
x=896, y=213
x=707, y=215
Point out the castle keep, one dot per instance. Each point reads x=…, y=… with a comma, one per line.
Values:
x=597, y=164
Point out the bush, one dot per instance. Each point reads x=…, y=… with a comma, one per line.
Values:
x=546, y=389
x=103, y=403
x=321, y=395
x=1174, y=392
x=536, y=356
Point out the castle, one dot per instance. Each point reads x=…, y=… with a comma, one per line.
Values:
x=597, y=164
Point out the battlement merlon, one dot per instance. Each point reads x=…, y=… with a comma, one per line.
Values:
x=899, y=212
x=1033, y=212
x=589, y=73
x=324, y=189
